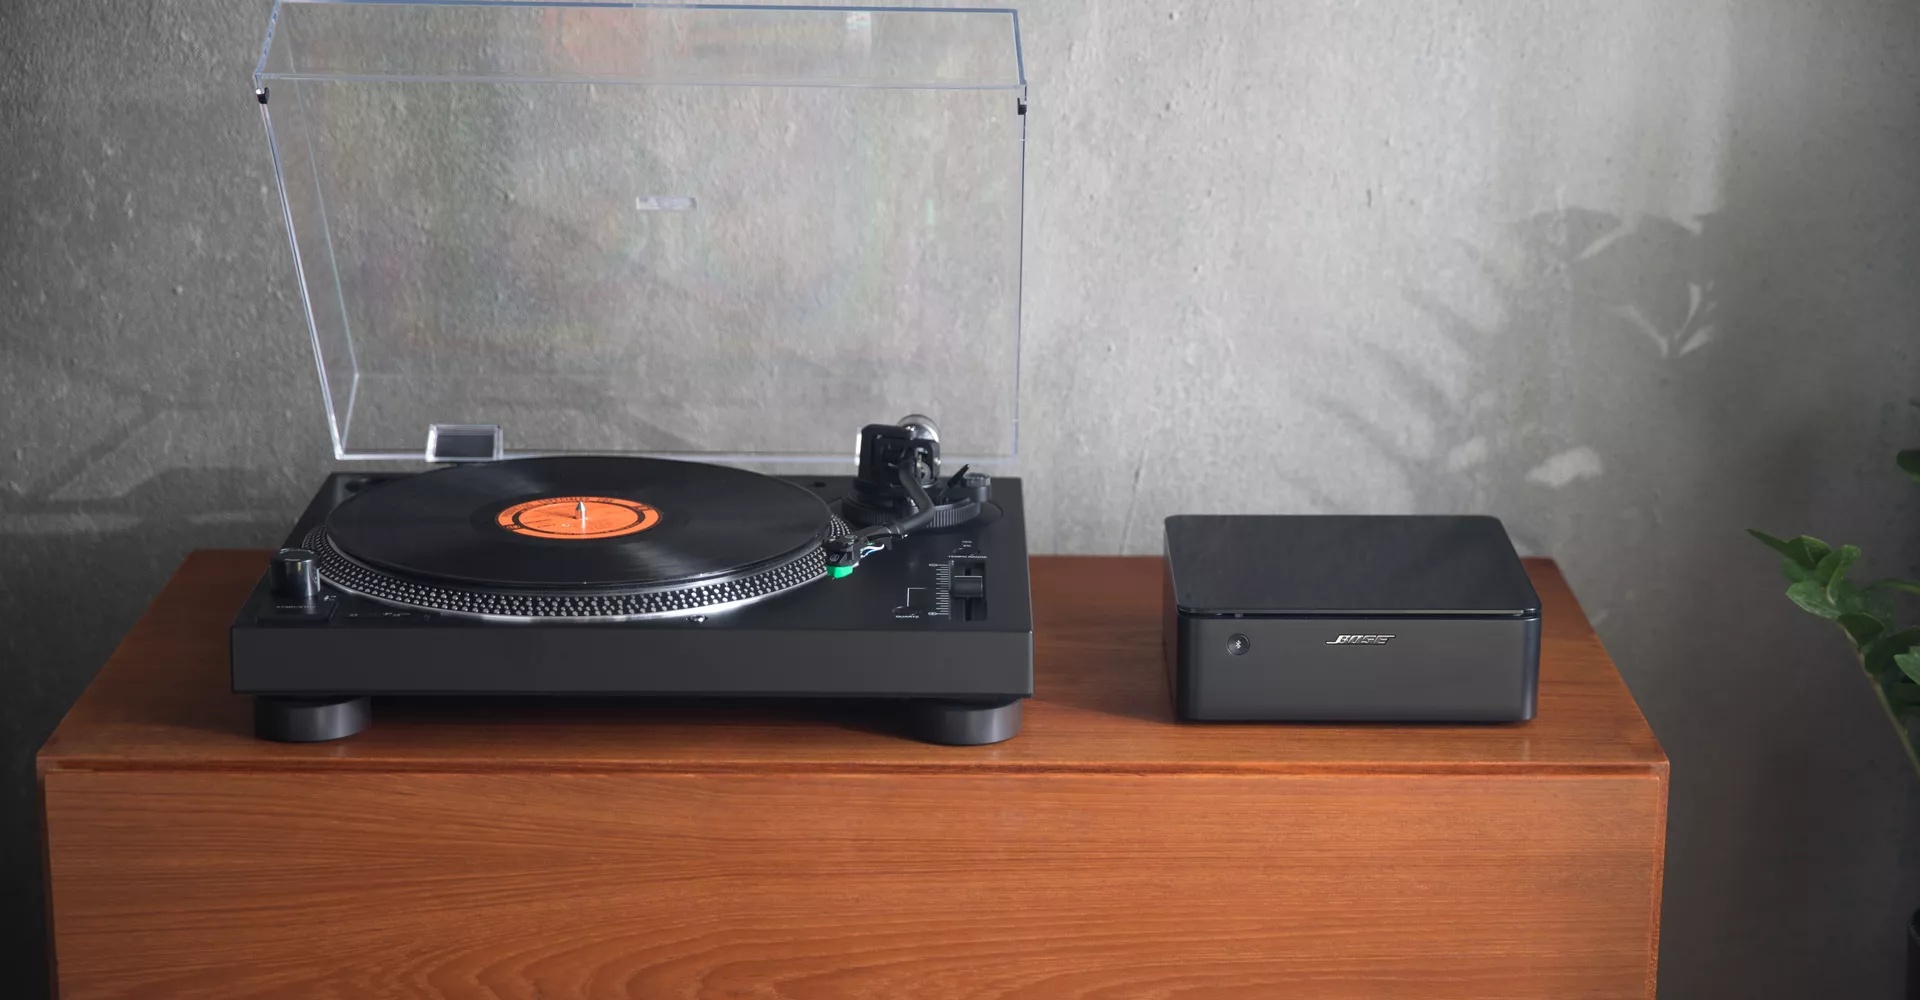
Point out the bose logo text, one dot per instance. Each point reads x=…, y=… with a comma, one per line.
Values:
x=1360, y=640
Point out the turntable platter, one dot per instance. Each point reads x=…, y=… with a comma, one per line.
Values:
x=576, y=537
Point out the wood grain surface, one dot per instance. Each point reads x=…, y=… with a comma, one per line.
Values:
x=1106, y=853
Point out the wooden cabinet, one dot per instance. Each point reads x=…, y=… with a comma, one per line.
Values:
x=699, y=851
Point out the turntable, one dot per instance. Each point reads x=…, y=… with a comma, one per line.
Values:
x=635, y=281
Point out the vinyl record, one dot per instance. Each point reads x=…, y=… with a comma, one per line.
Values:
x=579, y=524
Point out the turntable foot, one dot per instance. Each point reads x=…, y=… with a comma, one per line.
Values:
x=963, y=723
x=309, y=720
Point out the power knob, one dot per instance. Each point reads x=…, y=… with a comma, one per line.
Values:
x=293, y=576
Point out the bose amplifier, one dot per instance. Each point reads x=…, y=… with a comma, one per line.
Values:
x=1349, y=619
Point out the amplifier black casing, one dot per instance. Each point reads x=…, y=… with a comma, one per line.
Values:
x=1256, y=609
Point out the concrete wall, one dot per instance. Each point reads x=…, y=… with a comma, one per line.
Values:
x=1631, y=275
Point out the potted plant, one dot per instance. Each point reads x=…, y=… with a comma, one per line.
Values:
x=1889, y=653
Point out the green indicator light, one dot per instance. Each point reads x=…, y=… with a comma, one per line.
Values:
x=839, y=572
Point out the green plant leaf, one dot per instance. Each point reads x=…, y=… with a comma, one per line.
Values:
x=1773, y=542
x=1901, y=692
x=1812, y=597
x=1790, y=555
x=1861, y=628
x=1909, y=586
x=1878, y=655
x=1909, y=664
x=1851, y=599
x=1804, y=552
x=1810, y=551
x=1833, y=568
x=1910, y=462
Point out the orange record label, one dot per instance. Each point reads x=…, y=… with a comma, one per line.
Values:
x=578, y=517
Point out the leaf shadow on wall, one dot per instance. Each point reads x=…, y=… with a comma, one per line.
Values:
x=1492, y=427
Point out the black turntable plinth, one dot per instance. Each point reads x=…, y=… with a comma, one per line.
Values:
x=631, y=577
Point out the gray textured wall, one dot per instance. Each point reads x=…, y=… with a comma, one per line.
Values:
x=1630, y=275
